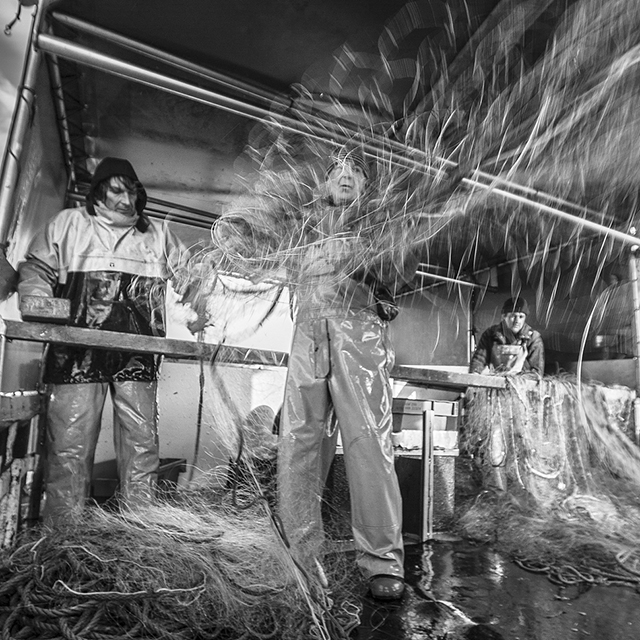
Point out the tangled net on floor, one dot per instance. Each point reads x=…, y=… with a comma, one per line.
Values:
x=572, y=472
x=199, y=570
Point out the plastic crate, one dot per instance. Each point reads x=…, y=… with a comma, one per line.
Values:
x=337, y=504
x=169, y=472
x=104, y=484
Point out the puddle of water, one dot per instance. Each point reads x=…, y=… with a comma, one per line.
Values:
x=460, y=591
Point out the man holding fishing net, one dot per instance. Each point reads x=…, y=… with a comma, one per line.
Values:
x=508, y=348
x=343, y=267
x=512, y=346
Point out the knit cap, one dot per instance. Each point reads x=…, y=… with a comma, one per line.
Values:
x=345, y=154
x=516, y=305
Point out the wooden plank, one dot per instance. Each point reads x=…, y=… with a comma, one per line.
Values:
x=20, y=405
x=177, y=349
x=11, y=481
x=113, y=340
x=44, y=309
x=446, y=379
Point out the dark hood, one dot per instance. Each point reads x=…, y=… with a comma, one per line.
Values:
x=108, y=168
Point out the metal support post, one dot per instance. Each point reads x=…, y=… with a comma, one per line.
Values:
x=635, y=292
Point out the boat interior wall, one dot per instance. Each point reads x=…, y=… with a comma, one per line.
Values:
x=185, y=150
x=433, y=327
x=42, y=181
x=229, y=393
x=40, y=193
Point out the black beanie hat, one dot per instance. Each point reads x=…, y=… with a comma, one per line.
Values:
x=108, y=168
x=345, y=153
x=516, y=305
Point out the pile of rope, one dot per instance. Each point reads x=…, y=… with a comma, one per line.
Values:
x=561, y=477
x=167, y=571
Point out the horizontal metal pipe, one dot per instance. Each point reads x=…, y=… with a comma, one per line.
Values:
x=490, y=179
x=60, y=47
x=558, y=213
x=330, y=131
x=207, y=215
x=259, y=94
x=247, y=89
x=435, y=276
x=71, y=51
x=65, y=49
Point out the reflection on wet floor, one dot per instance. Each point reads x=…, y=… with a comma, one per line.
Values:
x=457, y=590
x=464, y=590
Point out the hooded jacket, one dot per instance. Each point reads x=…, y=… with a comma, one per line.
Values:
x=108, y=168
x=114, y=276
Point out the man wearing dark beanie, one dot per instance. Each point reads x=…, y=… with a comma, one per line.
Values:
x=112, y=264
x=512, y=346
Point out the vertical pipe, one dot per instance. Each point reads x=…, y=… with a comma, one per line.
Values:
x=635, y=292
x=3, y=342
x=469, y=334
x=6, y=458
x=19, y=125
x=63, y=122
x=426, y=528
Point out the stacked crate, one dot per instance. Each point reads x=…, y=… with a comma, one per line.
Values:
x=426, y=447
x=19, y=462
x=426, y=476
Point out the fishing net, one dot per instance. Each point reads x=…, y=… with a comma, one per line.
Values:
x=561, y=473
x=504, y=163
x=196, y=567
x=454, y=179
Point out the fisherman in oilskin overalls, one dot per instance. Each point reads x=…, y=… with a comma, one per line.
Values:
x=342, y=277
x=112, y=263
x=508, y=348
x=512, y=346
x=339, y=365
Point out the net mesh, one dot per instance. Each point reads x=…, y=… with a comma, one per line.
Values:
x=560, y=475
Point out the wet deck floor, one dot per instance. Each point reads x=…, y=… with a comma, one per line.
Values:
x=457, y=590
x=463, y=590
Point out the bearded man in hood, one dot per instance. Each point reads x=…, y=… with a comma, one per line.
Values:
x=112, y=263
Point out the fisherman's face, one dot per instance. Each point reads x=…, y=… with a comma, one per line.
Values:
x=119, y=198
x=345, y=182
x=514, y=321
